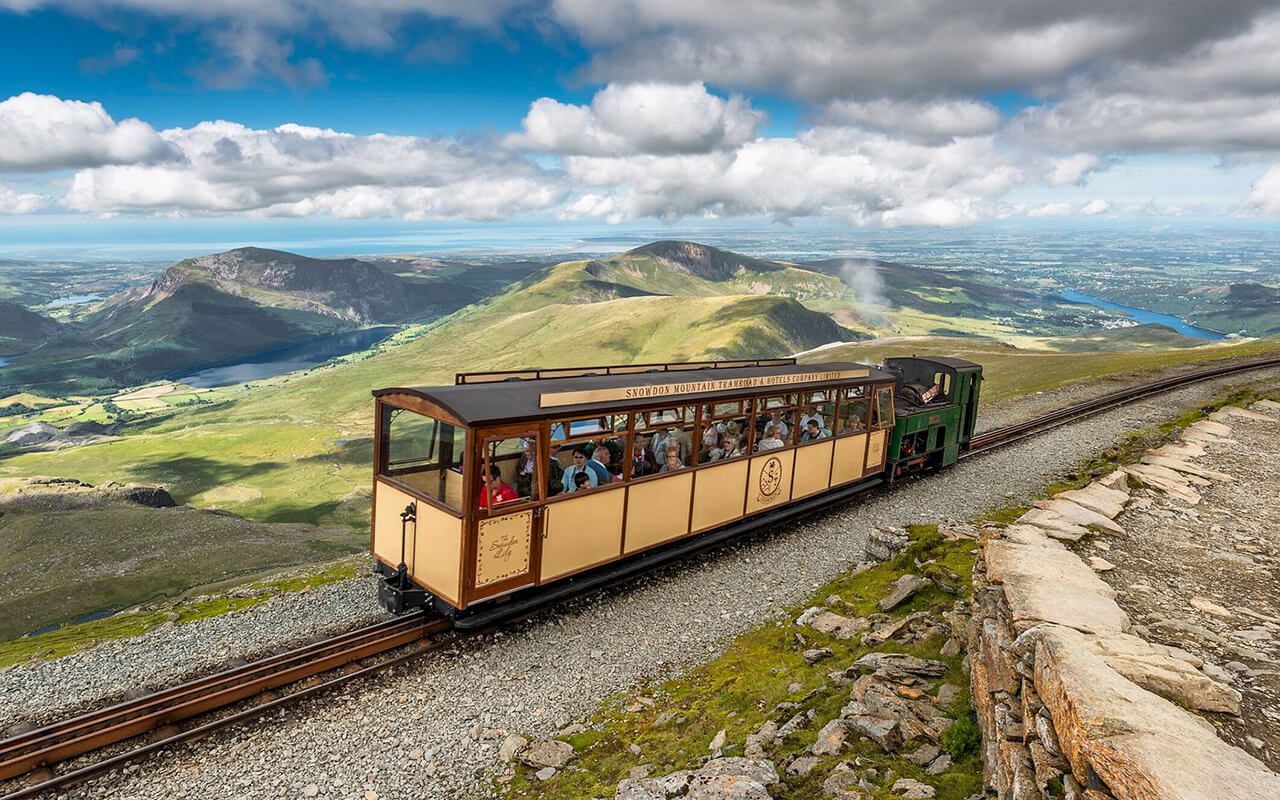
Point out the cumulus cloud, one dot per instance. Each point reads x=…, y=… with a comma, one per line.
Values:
x=822, y=50
x=935, y=120
x=1095, y=207
x=15, y=202
x=1264, y=195
x=1073, y=169
x=847, y=174
x=41, y=132
x=639, y=118
x=294, y=170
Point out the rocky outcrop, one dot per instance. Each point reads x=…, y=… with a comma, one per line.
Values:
x=42, y=494
x=726, y=778
x=1067, y=695
x=29, y=434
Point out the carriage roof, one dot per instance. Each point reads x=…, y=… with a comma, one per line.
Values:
x=522, y=399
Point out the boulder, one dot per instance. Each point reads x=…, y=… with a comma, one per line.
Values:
x=146, y=494
x=812, y=657
x=831, y=739
x=1098, y=497
x=1116, y=479
x=899, y=666
x=887, y=733
x=1166, y=480
x=1079, y=515
x=913, y=789
x=903, y=590
x=825, y=621
x=1036, y=576
x=542, y=753
x=1054, y=524
x=1178, y=465
x=510, y=746
x=1136, y=742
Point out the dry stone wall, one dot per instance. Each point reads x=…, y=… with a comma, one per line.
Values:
x=1071, y=703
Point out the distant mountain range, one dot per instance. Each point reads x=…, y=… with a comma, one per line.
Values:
x=664, y=298
x=220, y=307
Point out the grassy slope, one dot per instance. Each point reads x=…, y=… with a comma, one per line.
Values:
x=94, y=550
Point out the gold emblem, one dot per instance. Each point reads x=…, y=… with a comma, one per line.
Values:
x=771, y=477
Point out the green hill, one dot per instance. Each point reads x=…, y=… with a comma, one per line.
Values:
x=21, y=329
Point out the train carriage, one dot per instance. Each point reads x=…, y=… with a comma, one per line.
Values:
x=511, y=489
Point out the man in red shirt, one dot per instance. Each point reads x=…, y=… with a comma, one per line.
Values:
x=493, y=485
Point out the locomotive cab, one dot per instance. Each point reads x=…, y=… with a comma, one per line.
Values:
x=936, y=402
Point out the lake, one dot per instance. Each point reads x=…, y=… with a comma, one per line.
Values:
x=3, y=361
x=279, y=360
x=1145, y=316
x=74, y=300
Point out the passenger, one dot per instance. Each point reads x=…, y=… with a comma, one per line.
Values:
x=808, y=415
x=579, y=467
x=599, y=464
x=711, y=436
x=642, y=460
x=501, y=492
x=853, y=424
x=683, y=440
x=581, y=481
x=814, y=431
x=673, y=462
x=729, y=446
x=526, y=470
x=770, y=440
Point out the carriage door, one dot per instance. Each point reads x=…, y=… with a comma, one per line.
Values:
x=509, y=496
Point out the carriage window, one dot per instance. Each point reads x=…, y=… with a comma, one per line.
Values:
x=884, y=407
x=775, y=422
x=424, y=454
x=853, y=410
x=668, y=433
x=509, y=474
x=817, y=415
x=588, y=453
x=725, y=433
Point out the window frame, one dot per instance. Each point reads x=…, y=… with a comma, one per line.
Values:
x=458, y=445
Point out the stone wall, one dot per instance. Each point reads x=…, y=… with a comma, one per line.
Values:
x=1071, y=703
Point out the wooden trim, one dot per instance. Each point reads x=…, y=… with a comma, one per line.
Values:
x=411, y=402
x=695, y=388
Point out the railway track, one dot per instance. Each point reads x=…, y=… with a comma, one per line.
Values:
x=160, y=713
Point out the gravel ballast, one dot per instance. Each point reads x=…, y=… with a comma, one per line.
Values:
x=418, y=730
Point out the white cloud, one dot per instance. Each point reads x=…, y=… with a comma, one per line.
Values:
x=1264, y=195
x=847, y=174
x=639, y=118
x=1073, y=169
x=295, y=170
x=821, y=50
x=40, y=132
x=1052, y=210
x=1095, y=207
x=15, y=202
x=934, y=120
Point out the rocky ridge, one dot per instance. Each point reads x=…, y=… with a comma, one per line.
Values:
x=1072, y=703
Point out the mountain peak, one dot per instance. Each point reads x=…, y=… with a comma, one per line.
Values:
x=702, y=260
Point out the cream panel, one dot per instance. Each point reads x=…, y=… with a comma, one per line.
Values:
x=581, y=532
x=658, y=510
x=770, y=481
x=875, y=451
x=437, y=552
x=813, y=469
x=388, y=503
x=433, y=549
x=851, y=451
x=502, y=547
x=718, y=494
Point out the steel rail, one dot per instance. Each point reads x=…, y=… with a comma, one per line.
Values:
x=85, y=733
x=989, y=440
x=91, y=731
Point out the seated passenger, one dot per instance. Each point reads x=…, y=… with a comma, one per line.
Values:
x=813, y=431
x=807, y=416
x=852, y=424
x=599, y=464
x=770, y=440
x=581, y=481
x=579, y=467
x=710, y=437
x=779, y=425
x=642, y=460
x=729, y=446
x=673, y=462
x=682, y=440
x=493, y=485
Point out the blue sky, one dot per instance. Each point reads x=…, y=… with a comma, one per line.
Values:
x=287, y=115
